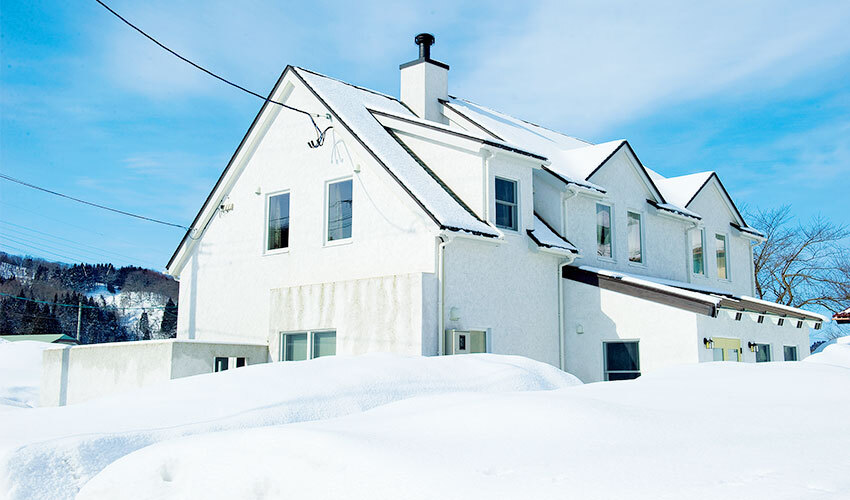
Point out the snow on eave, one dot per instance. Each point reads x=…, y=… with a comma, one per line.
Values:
x=648, y=282
x=668, y=207
x=793, y=310
x=350, y=105
x=546, y=237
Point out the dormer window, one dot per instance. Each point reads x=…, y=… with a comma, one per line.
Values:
x=603, y=231
x=506, y=204
x=697, y=239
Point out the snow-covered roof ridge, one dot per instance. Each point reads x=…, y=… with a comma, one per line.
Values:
x=682, y=189
x=545, y=236
x=352, y=105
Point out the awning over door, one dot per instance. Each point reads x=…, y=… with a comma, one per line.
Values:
x=685, y=295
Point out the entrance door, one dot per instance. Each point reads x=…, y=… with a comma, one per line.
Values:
x=726, y=349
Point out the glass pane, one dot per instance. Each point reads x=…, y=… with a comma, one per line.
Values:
x=505, y=216
x=790, y=353
x=339, y=210
x=603, y=230
x=505, y=190
x=635, y=247
x=621, y=356
x=718, y=354
x=731, y=354
x=696, y=252
x=324, y=344
x=721, y=256
x=623, y=376
x=278, y=221
x=295, y=347
x=763, y=353
x=220, y=364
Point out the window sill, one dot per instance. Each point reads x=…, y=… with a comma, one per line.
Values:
x=641, y=265
x=276, y=251
x=611, y=260
x=337, y=243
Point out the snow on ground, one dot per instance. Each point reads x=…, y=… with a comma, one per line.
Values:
x=52, y=452
x=712, y=430
x=20, y=373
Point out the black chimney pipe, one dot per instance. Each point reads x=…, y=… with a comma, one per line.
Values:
x=424, y=41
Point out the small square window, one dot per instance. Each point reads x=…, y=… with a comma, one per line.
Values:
x=339, y=216
x=790, y=352
x=506, y=204
x=294, y=346
x=762, y=353
x=324, y=344
x=622, y=360
x=220, y=364
x=278, y=222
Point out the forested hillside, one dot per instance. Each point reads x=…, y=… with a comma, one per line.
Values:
x=112, y=304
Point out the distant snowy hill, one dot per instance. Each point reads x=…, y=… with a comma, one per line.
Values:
x=118, y=304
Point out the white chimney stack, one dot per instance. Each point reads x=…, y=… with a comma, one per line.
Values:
x=424, y=81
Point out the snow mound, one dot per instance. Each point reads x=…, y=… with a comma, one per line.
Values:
x=53, y=452
x=837, y=354
x=20, y=373
x=714, y=430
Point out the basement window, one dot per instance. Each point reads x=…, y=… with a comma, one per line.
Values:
x=506, y=204
x=220, y=364
x=299, y=346
x=622, y=360
x=339, y=215
x=278, y=222
x=790, y=352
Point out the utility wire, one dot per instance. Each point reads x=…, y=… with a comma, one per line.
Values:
x=122, y=212
x=313, y=144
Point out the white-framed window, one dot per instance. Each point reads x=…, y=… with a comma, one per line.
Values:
x=604, y=223
x=635, y=237
x=763, y=354
x=507, y=204
x=621, y=359
x=722, y=256
x=338, y=210
x=277, y=221
x=790, y=352
x=299, y=346
x=696, y=237
x=223, y=363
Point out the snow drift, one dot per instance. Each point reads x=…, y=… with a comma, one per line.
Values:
x=714, y=430
x=20, y=373
x=51, y=452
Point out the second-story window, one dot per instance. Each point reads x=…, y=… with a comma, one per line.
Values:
x=278, y=223
x=720, y=243
x=603, y=231
x=697, y=256
x=506, y=204
x=339, y=210
x=635, y=238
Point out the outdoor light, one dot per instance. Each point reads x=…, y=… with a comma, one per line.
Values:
x=579, y=329
x=753, y=346
x=709, y=343
x=454, y=314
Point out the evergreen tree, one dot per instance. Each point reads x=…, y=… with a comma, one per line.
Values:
x=168, y=327
x=144, y=327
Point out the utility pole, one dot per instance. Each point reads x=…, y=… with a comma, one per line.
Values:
x=79, y=318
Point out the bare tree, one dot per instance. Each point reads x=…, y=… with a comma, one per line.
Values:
x=801, y=264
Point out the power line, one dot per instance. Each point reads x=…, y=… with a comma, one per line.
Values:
x=38, y=242
x=33, y=247
x=122, y=212
x=313, y=144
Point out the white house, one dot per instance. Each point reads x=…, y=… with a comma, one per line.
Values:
x=428, y=224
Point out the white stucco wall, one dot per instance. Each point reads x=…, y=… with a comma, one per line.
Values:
x=749, y=330
x=74, y=374
x=225, y=285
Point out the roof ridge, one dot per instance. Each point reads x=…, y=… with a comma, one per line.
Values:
x=358, y=87
x=522, y=120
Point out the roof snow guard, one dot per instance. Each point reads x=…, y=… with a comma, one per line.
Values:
x=684, y=295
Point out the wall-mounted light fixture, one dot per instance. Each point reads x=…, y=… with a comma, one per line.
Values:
x=753, y=346
x=454, y=314
x=258, y=191
x=579, y=329
x=709, y=343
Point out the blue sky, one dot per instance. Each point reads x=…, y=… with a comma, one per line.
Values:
x=758, y=93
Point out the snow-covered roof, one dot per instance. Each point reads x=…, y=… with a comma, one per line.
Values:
x=682, y=189
x=546, y=237
x=843, y=316
x=351, y=106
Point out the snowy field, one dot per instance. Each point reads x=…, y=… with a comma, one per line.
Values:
x=475, y=426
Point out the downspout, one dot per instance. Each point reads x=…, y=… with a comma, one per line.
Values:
x=486, y=154
x=562, y=341
x=441, y=277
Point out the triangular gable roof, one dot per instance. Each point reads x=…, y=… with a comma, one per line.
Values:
x=680, y=190
x=350, y=106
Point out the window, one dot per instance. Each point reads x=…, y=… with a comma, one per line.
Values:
x=621, y=360
x=720, y=242
x=240, y=362
x=506, y=204
x=294, y=346
x=762, y=353
x=220, y=364
x=697, y=237
x=635, y=238
x=339, y=210
x=278, y=222
x=603, y=230
x=790, y=352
